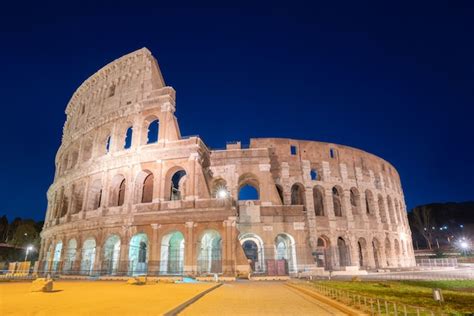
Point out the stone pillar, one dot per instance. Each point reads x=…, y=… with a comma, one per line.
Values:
x=155, y=256
x=124, y=247
x=190, y=256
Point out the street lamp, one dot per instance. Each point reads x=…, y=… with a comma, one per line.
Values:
x=28, y=249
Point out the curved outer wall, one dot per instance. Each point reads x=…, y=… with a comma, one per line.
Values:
x=320, y=205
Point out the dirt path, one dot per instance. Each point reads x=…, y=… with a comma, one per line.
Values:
x=258, y=298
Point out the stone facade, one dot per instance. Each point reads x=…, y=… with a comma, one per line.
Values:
x=131, y=195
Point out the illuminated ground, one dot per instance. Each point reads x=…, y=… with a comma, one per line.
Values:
x=258, y=298
x=95, y=298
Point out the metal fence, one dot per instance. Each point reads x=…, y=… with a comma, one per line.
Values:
x=374, y=306
x=437, y=262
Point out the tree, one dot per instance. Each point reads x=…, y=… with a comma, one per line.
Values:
x=423, y=222
x=3, y=228
x=25, y=234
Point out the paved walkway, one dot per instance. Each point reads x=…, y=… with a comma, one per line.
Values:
x=258, y=298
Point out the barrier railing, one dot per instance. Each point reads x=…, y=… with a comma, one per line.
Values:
x=372, y=305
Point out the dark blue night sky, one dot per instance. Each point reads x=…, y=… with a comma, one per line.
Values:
x=395, y=80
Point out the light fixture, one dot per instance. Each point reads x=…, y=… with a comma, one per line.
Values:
x=222, y=193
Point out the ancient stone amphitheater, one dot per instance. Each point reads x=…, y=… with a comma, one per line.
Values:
x=132, y=196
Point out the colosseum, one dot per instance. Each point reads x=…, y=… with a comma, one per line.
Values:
x=132, y=196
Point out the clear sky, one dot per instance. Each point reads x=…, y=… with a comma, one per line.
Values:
x=394, y=79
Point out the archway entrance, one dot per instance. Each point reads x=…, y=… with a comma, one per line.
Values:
x=57, y=256
x=138, y=255
x=252, y=245
x=209, y=258
x=70, y=256
x=343, y=252
x=111, y=255
x=88, y=256
x=172, y=254
x=285, y=249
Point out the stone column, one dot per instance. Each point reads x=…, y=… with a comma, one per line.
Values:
x=124, y=247
x=190, y=256
x=155, y=256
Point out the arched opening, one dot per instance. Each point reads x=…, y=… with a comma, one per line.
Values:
x=249, y=188
x=376, y=250
x=297, y=194
x=285, y=249
x=74, y=157
x=388, y=252
x=252, y=245
x=108, y=142
x=209, y=258
x=382, y=212
x=57, y=256
x=145, y=182
x=369, y=202
x=128, y=138
x=355, y=201
x=323, y=255
x=248, y=192
x=77, y=197
x=280, y=193
x=64, y=204
x=110, y=262
x=88, y=256
x=138, y=254
x=95, y=195
x=397, y=212
x=117, y=194
x=397, y=252
x=172, y=253
x=314, y=174
x=337, y=201
x=318, y=201
x=178, y=185
x=87, y=150
x=343, y=252
x=391, y=212
x=362, y=251
x=152, y=132
x=70, y=256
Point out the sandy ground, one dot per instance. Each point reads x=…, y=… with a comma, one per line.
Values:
x=258, y=298
x=95, y=298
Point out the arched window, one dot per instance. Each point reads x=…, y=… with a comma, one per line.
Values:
x=314, y=174
x=77, y=197
x=336, y=199
x=107, y=144
x=343, y=251
x=382, y=211
x=172, y=253
x=297, y=194
x=318, y=200
x=248, y=192
x=177, y=185
x=147, y=191
x=87, y=150
x=152, y=133
x=355, y=201
x=128, y=138
x=210, y=252
x=391, y=211
x=112, y=91
x=369, y=202
x=121, y=193
x=110, y=261
x=95, y=195
x=138, y=254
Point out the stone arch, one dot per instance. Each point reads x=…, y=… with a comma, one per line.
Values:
x=117, y=192
x=376, y=249
x=355, y=201
x=110, y=262
x=247, y=181
x=297, y=194
x=48, y=258
x=382, y=211
x=397, y=212
x=323, y=254
x=254, y=250
x=391, y=211
x=128, y=137
x=337, y=198
x=87, y=146
x=78, y=189
x=70, y=255
x=318, y=200
x=144, y=186
x=285, y=248
x=343, y=252
x=88, y=256
x=64, y=202
x=210, y=252
x=396, y=247
x=369, y=202
x=363, y=252
x=95, y=195
x=176, y=183
x=57, y=256
x=138, y=254
x=151, y=128
x=172, y=253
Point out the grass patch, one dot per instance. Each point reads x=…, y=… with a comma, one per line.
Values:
x=458, y=295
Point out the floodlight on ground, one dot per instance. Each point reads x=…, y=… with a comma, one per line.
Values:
x=464, y=245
